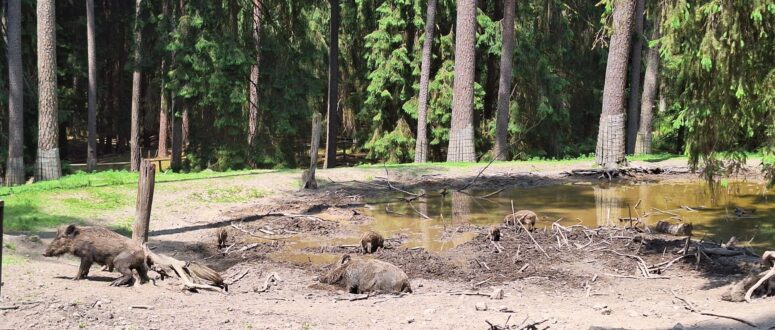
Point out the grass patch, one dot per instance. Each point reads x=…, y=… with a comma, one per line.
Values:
x=229, y=195
x=13, y=260
x=123, y=226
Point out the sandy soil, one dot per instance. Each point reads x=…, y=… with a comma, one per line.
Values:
x=571, y=289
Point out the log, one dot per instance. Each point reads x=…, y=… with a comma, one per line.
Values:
x=188, y=272
x=145, y=186
x=308, y=177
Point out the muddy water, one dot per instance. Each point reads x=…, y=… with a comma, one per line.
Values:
x=713, y=213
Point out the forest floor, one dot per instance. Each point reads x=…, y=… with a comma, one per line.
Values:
x=570, y=286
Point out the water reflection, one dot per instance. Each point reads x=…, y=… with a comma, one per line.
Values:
x=592, y=204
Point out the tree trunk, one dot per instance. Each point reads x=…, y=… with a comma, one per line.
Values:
x=504, y=87
x=308, y=177
x=421, y=146
x=14, y=174
x=461, y=135
x=164, y=125
x=91, y=149
x=333, y=92
x=643, y=141
x=134, y=140
x=633, y=110
x=177, y=132
x=610, y=136
x=47, y=165
x=253, y=84
x=185, y=126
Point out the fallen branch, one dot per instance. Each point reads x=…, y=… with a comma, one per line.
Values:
x=528, y=232
x=270, y=280
x=258, y=236
x=480, y=173
x=759, y=283
x=689, y=306
x=387, y=178
x=187, y=272
x=235, y=279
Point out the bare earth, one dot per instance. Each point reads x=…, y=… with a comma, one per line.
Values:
x=572, y=289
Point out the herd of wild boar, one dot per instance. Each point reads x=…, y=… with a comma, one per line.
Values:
x=356, y=275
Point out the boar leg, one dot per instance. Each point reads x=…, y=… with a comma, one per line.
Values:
x=122, y=263
x=83, y=270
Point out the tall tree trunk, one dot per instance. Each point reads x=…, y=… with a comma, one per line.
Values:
x=253, y=84
x=421, y=146
x=333, y=90
x=643, y=142
x=610, y=137
x=134, y=139
x=177, y=132
x=461, y=136
x=47, y=165
x=633, y=110
x=185, y=126
x=504, y=86
x=14, y=174
x=91, y=149
x=164, y=125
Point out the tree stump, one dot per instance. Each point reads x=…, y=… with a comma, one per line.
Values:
x=308, y=177
x=145, y=187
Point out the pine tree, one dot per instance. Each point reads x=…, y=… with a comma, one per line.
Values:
x=15, y=168
x=643, y=141
x=633, y=109
x=91, y=151
x=47, y=165
x=610, y=136
x=504, y=84
x=333, y=90
x=421, y=147
x=134, y=142
x=253, y=82
x=461, y=136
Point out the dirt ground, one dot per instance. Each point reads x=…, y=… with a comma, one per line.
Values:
x=584, y=282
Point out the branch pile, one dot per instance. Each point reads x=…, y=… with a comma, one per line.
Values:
x=194, y=275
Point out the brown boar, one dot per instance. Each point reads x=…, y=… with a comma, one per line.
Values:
x=525, y=217
x=367, y=275
x=220, y=237
x=371, y=241
x=102, y=246
x=678, y=229
x=494, y=233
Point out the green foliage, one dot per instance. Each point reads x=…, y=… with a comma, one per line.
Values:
x=719, y=57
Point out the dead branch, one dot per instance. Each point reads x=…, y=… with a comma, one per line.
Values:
x=387, y=178
x=258, y=236
x=237, y=278
x=418, y=211
x=479, y=174
x=689, y=306
x=162, y=263
x=270, y=280
x=528, y=232
x=759, y=283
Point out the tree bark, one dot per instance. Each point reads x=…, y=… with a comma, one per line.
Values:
x=134, y=139
x=253, y=83
x=164, y=125
x=633, y=112
x=91, y=149
x=461, y=135
x=47, y=165
x=185, y=127
x=333, y=92
x=643, y=141
x=610, y=137
x=504, y=86
x=421, y=145
x=308, y=177
x=14, y=174
x=145, y=187
x=177, y=132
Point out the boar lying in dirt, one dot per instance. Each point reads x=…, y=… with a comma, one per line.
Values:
x=367, y=275
x=526, y=217
x=371, y=241
x=677, y=229
x=103, y=246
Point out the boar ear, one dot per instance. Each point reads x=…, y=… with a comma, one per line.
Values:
x=345, y=259
x=71, y=231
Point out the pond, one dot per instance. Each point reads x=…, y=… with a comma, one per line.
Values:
x=742, y=209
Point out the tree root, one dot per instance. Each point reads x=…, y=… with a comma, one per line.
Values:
x=188, y=272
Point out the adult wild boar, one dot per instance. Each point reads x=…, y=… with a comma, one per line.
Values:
x=367, y=275
x=103, y=246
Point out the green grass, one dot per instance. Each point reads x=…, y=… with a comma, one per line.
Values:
x=229, y=195
x=80, y=197
x=13, y=260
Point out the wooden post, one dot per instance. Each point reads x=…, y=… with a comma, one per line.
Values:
x=144, y=201
x=308, y=177
x=2, y=230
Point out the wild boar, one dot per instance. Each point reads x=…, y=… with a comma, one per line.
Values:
x=678, y=229
x=495, y=233
x=371, y=241
x=367, y=275
x=103, y=246
x=220, y=237
x=526, y=217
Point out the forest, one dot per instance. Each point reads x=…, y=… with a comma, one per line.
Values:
x=234, y=84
